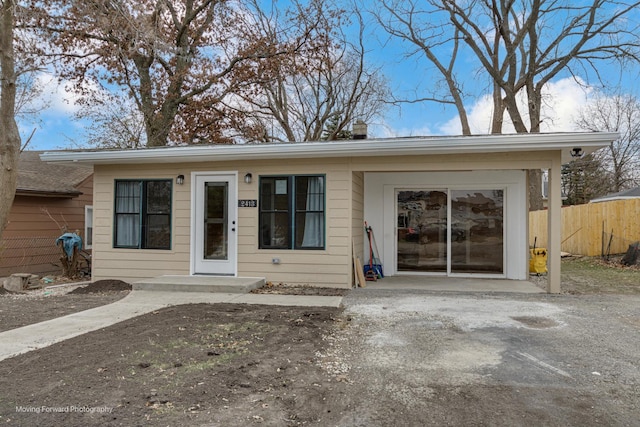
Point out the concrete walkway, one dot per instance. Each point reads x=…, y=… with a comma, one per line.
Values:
x=138, y=302
x=454, y=284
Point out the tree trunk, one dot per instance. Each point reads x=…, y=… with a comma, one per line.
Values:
x=498, y=110
x=9, y=134
x=70, y=266
x=534, y=97
x=535, y=189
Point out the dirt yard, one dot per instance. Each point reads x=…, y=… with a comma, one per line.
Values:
x=384, y=359
x=187, y=365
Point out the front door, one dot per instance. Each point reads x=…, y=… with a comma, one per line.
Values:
x=214, y=223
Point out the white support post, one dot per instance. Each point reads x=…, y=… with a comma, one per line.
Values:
x=554, y=229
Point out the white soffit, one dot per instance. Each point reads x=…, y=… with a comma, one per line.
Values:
x=566, y=142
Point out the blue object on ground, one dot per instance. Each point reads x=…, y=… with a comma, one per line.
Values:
x=69, y=240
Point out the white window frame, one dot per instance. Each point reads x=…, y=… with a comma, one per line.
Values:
x=88, y=225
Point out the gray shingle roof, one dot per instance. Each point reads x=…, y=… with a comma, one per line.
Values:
x=36, y=176
x=634, y=192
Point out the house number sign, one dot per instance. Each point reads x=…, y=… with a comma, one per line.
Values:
x=247, y=203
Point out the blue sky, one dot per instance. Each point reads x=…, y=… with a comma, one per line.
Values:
x=56, y=129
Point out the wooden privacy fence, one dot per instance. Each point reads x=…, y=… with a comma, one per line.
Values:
x=593, y=229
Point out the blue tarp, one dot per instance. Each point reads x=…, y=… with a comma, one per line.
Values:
x=69, y=240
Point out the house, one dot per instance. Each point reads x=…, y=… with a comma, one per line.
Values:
x=50, y=198
x=294, y=213
x=632, y=193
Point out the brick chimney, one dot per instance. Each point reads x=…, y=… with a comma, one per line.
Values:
x=359, y=130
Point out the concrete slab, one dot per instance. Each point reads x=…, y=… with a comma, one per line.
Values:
x=454, y=284
x=138, y=302
x=226, y=284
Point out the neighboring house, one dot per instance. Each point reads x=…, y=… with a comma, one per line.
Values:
x=633, y=193
x=545, y=191
x=294, y=212
x=50, y=199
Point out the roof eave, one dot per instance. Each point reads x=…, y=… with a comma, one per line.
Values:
x=45, y=193
x=589, y=142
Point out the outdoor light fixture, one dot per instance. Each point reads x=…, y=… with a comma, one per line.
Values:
x=180, y=179
x=577, y=152
x=247, y=178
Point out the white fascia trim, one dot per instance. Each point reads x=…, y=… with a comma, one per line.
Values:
x=365, y=147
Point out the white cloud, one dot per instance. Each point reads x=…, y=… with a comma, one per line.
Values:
x=52, y=114
x=560, y=100
x=479, y=116
x=56, y=98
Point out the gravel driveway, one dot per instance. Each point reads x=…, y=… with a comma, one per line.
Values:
x=470, y=359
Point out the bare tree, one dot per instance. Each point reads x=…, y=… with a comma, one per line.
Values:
x=176, y=58
x=112, y=122
x=9, y=134
x=29, y=91
x=617, y=113
x=317, y=96
x=519, y=46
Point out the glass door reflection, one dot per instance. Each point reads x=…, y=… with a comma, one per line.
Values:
x=216, y=235
x=477, y=235
x=422, y=231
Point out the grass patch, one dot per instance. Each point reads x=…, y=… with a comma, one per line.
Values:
x=204, y=347
x=593, y=275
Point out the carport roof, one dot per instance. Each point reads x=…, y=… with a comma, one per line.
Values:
x=565, y=142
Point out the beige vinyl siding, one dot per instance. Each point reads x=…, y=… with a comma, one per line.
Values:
x=136, y=264
x=357, y=213
x=470, y=161
x=328, y=267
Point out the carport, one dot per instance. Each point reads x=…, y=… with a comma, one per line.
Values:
x=452, y=208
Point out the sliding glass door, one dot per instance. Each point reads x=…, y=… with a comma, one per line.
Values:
x=477, y=238
x=452, y=231
x=422, y=230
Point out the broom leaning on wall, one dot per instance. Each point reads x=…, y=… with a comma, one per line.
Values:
x=373, y=270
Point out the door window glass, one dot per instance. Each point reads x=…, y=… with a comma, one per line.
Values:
x=215, y=217
x=422, y=230
x=477, y=237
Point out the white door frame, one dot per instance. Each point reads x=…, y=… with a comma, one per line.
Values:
x=228, y=267
x=448, y=189
x=380, y=209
